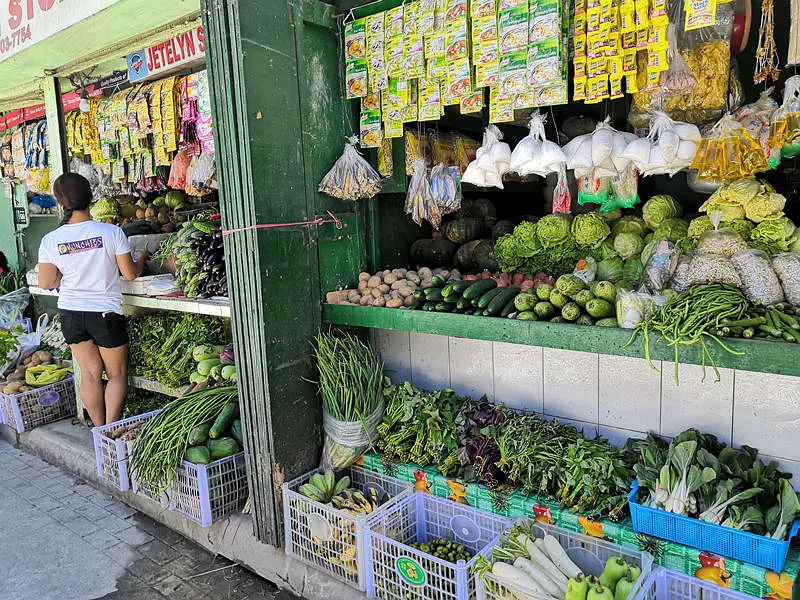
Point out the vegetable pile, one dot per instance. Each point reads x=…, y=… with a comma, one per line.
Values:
x=443, y=549
x=191, y=427
x=199, y=257
x=36, y=371
x=570, y=300
x=528, y=567
x=215, y=366
x=698, y=476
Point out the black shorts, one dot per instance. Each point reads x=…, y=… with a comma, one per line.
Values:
x=107, y=330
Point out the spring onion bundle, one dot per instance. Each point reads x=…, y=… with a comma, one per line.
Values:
x=159, y=448
x=351, y=386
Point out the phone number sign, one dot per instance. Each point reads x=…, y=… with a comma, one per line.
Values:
x=23, y=23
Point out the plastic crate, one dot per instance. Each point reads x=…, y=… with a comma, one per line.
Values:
x=321, y=535
x=741, y=545
x=665, y=584
x=205, y=493
x=396, y=571
x=112, y=454
x=40, y=406
x=588, y=553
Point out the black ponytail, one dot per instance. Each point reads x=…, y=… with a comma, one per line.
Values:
x=73, y=192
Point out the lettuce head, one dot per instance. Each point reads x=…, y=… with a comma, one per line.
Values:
x=554, y=231
x=628, y=244
x=589, y=229
x=630, y=224
x=660, y=208
x=699, y=225
x=672, y=229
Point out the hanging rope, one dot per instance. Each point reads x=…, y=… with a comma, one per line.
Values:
x=319, y=221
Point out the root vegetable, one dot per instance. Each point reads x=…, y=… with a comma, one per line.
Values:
x=364, y=299
x=380, y=301
x=384, y=288
x=426, y=283
x=362, y=286
x=408, y=301
x=394, y=303
x=425, y=273
x=389, y=279
x=364, y=276
x=374, y=281
x=354, y=298
x=398, y=284
x=399, y=273
x=376, y=292
x=405, y=291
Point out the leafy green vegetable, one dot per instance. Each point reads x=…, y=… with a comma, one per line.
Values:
x=671, y=229
x=773, y=236
x=629, y=224
x=741, y=226
x=699, y=226
x=780, y=516
x=554, y=231
x=589, y=229
x=610, y=269
x=633, y=270
x=628, y=244
x=660, y=208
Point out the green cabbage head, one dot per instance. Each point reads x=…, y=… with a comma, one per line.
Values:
x=628, y=244
x=554, y=231
x=660, y=208
x=589, y=229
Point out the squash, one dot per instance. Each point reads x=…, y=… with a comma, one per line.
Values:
x=482, y=259
x=463, y=230
x=481, y=208
x=432, y=253
x=502, y=228
x=464, y=256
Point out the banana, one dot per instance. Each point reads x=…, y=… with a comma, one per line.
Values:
x=373, y=496
x=318, y=481
x=337, y=501
x=341, y=485
x=330, y=483
x=347, y=495
x=312, y=492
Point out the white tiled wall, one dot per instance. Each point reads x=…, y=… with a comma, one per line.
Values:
x=613, y=396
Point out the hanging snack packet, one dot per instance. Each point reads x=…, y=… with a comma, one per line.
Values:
x=728, y=154
x=593, y=190
x=351, y=176
x=625, y=191
x=420, y=203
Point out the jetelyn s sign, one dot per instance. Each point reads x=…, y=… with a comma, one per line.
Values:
x=23, y=23
x=158, y=59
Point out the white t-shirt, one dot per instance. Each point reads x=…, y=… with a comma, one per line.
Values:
x=86, y=254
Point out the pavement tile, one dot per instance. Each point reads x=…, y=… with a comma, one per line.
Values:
x=91, y=511
x=60, y=492
x=121, y=510
x=163, y=533
x=177, y=589
x=64, y=514
x=147, y=570
x=81, y=525
x=114, y=524
x=122, y=554
x=101, y=539
x=158, y=551
x=135, y=536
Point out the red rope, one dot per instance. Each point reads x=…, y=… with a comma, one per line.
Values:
x=319, y=221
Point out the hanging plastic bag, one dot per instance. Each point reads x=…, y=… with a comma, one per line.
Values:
x=728, y=154
x=446, y=188
x=660, y=265
x=535, y=154
x=785, y=123
x=420, y=203
x=594, y=190
x=562, y=199
x=491, y=162
x=679, y=79
x=177, y=172
x=787, y=268
x=351, y=176
x=759, y=282
x=624, y=191
x=586, y=269
x=756, y=119
x=13, y=305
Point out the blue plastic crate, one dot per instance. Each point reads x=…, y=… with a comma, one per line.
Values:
x=725, y=541
x=665, y=584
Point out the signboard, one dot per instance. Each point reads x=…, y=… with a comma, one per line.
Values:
x=71, y=100
x=13, y=118
x=116, y=79
x=167, y=56
x=23, y=23
x=33, y=113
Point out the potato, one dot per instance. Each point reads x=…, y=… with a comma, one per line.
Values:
x=394, y=303
x=354, y=298
x=413, y=277
x=370, y=301
x=389, y=279
x=27, y=361
x=364, y=276
x=426, y=283
x=455, y=275
x=425, y=273
x=384, y=288
x=384, y=273
x=374, y=281
x=362, y=286
x=405, y=292
x=398, y=284
x=24, y=389
x=376, y=292
x=399, y=273
x=444, y=274
x=16, y=377
x=379, y=301
x=408, y=300
x=364, y=299
x=411, y=285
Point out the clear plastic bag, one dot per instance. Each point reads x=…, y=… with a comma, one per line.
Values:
x=177, y=172
x=660, y=265
x=713, y=268
x=625, y=190
x=586, y=269
x=729, y=153
x=759, y=282
x=535, y=154
x=351, y=176
x=446, y=188
x=420, y=203
x=562, y=199
x=721, y=242
x=13, y=305
x=346, y=441
x=594, y=190
x=491, y=162
x=634, y=306
x=787, y=268
x=680, y=278
x=679, y=79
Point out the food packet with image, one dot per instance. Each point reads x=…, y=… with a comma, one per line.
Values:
x=351, y=176
x=594, y=190
x=660, y=265
x=759, y=282
x=756, y=118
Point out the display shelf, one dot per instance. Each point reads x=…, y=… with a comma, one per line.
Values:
x=214, y=308
x=142, y=383
x=755, y=355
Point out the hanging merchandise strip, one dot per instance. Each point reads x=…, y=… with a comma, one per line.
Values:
x=319, y=221
x=767, y=55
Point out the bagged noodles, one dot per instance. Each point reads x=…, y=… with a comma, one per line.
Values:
x=351, y=177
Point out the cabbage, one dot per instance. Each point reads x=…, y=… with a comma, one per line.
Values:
x=629, y=224
x=526, y=240
x=609, y=269
x=632, y=270
x=104, y=209
x=741, y=226
x=729, y=211
x=606, y=249
x=660, y=208
x=554, y=230
x=794, y=241
x=699, y=226
x=612, y=215
x=628, y=244
x=672, y=229
x=175, y=199
x=764, y=207
x=589, y=229
x=773, y=236
x=506, y=253
x=648, y=249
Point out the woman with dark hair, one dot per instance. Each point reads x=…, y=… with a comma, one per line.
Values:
x=84, y=259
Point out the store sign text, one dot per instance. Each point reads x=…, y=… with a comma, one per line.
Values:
x=23, y=23
x=177, y=51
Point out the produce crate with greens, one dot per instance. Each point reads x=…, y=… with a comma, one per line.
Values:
x=403, y=541
x=702, y=493
x=325, y=515
x=537, y=561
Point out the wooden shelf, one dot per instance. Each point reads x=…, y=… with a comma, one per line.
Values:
x=141, y=383
x=753, y=355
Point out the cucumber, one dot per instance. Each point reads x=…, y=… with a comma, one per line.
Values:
x=199, y=434
x=444, y=307
x=433, y=295
x=452, y=299
x=437, y=281
x=236, y=431
x=462, y=303
x=483, y=301
x=222, y=447
x=198, y=455
x=479, y=288
x=508, y=309
x=419, y=294
x=429, y=306
x=224, y=419
x=500, y=300
x=456, y=287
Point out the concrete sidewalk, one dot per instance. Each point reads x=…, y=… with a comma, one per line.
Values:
x=65, y=539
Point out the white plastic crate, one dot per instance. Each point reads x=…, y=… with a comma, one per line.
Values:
x=665, y=584
x=40, y=406
x=396, y=571
x=327, y=538
x=112, y=454
x=205, y=493
x=588, y=553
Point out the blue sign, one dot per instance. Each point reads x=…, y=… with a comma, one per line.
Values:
x=137, y=66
